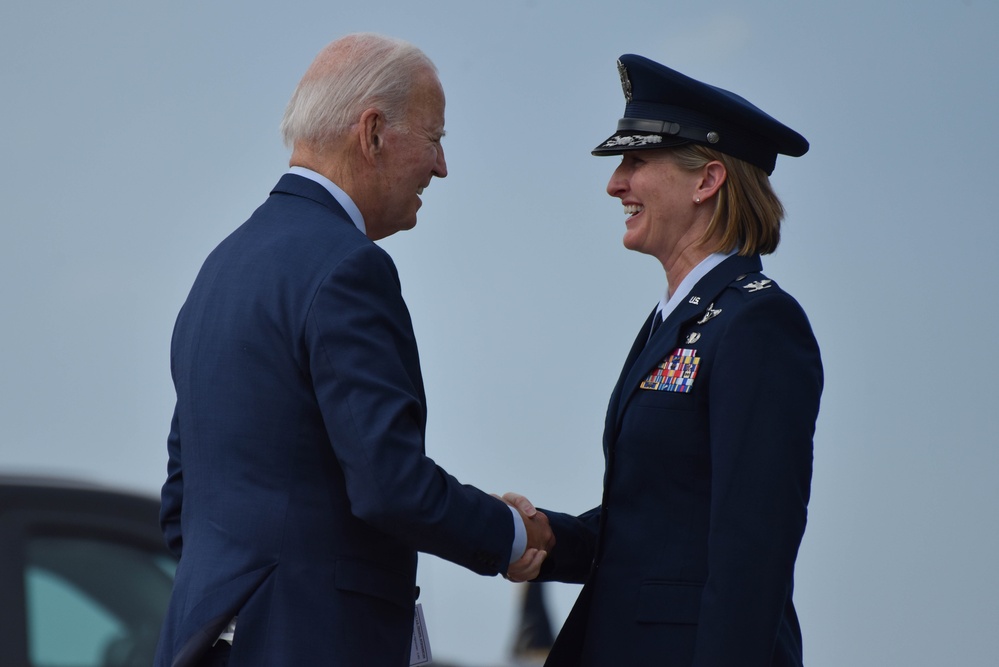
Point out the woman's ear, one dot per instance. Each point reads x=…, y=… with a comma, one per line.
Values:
x=713, y=176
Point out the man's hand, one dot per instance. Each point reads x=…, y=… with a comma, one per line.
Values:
x=528, y=567
x=540, y=539
x=539, y=533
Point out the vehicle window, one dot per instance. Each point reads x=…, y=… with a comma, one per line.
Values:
x=93, y=603
x=65, y=626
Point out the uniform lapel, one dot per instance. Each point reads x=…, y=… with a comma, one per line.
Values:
x=613, y=408
x=666, y=339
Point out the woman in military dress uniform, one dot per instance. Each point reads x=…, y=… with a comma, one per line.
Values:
x=689, y=559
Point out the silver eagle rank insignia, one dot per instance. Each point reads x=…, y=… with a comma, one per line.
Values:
x=758, y=285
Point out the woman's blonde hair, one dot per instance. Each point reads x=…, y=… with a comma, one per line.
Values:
x=748, y=213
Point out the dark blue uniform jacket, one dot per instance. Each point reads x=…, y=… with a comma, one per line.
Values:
x=689, y=559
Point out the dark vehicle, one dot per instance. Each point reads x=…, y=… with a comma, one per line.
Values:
x=84, y=576
x=85, y=579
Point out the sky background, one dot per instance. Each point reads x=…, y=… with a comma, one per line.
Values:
x=134, y=136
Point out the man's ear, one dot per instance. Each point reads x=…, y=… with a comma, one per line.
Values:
x=371, y=130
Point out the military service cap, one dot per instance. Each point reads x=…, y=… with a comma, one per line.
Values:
x=665, y=108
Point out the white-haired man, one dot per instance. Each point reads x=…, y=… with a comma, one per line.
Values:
x=298, y=490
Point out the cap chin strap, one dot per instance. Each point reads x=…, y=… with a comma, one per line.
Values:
x=740, y=145
x=669, y=128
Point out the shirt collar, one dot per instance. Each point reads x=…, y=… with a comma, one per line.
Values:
x=341, y=197
x=668, y=304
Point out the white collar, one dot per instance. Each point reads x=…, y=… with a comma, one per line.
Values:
x=668, y=304
x=341, y=197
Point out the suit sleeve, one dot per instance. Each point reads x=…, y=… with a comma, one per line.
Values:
x=172, y=494
x=764, y=400
x=366, y=376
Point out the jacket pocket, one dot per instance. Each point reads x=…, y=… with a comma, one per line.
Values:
x=666, y=400
x=669, y=602
x=361, y=577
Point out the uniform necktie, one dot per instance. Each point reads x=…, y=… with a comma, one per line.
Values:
x=657, y=321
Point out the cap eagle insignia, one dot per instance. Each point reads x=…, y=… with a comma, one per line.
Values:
x=625, y=81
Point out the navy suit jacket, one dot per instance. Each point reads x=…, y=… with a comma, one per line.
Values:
x=689, y=560
x=298, y=489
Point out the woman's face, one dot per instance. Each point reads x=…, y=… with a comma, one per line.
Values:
x=658, y=198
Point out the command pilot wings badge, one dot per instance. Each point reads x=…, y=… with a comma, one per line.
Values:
x=710, y=313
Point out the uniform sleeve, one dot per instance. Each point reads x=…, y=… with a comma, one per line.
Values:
x=366, y=376
x=575, y=546
x=764, y=400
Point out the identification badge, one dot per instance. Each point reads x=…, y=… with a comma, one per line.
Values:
x=420, y=653
x=676, y=373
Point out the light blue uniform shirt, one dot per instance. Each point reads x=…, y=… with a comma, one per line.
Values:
x=669, y=303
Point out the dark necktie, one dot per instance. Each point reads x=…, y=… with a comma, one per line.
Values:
x=657, y=321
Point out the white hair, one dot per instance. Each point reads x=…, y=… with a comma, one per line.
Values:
x=350, y=75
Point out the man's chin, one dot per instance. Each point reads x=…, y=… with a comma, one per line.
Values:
x=378, y=233
x=406, y=226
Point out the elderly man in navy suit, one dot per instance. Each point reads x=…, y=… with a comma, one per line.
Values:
x=298, y=491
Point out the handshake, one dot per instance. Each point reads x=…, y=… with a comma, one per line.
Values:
x=540, y=539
